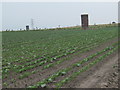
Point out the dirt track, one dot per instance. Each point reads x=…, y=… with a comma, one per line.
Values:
x=101, y=77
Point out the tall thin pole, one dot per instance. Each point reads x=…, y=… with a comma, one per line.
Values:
x=32, y=24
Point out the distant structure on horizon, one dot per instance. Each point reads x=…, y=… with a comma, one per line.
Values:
x=84, y=21
x=32, y=24
x=27, y=27
x=113, y=22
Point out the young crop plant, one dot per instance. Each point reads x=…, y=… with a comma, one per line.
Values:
x=66, y=70
x=75, y=74
x=24, y=56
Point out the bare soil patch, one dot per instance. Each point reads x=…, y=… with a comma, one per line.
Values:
x=99, y=76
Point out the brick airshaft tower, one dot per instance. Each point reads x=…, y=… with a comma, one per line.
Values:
x=84, y=21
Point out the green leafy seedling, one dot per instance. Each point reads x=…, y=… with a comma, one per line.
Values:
x=43, y=85
x=63, y=73
x=78, y=65
x=50, y=80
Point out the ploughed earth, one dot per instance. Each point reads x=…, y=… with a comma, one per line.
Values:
x=103, y=74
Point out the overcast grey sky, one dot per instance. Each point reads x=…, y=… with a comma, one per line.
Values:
x=49, y=14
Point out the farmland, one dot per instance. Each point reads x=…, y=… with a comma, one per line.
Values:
x=54, y=58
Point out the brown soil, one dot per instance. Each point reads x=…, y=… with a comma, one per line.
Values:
x=34, y=78
x=14, y=75
x=99, y=76
x=75, y=69
x=110, y=79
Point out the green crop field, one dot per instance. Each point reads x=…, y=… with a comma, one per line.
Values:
x=34, y=59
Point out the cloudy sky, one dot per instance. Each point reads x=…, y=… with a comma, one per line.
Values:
x=16, y=15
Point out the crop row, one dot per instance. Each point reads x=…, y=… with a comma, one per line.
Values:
x=25, y=74
x=64, y=71
x=24, y=52
x=41, y=47
x=75, y=74
x=44, y=60
x=41, y=61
